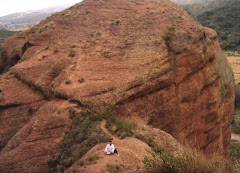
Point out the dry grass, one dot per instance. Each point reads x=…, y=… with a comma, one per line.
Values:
x=236, y=121
x=234, y=59
x=165, y=162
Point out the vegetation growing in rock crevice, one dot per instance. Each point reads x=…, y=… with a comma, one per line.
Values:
x=168, y=36
x=3, y=59
x=116, y=126
x=83, y=134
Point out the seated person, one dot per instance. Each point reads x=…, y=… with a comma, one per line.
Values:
x=109, y=148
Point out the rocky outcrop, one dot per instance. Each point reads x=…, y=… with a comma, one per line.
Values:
x=149, y=57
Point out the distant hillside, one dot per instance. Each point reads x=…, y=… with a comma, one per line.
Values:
x=199, y=6
x=184, y=2
x=23, y=20
x=225, y=20
x=221, y=15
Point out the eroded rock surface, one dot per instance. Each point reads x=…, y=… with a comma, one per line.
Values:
x=147, y=56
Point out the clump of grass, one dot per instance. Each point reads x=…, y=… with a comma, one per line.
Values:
x=56, y=51
x=165, y=162
x=168, y=36
x=3, y=59
x=148, y=140
x=234, y=151
x=72, y=53
x=72, y=170
x=68, y=82
x=116, y=22
x=111, y=169
x=81, y=80
x=106, y=53
x=50, y=25
x=81, y=135
x=236, y=122
x=92, y=159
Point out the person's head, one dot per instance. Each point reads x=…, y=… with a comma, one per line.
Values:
x=110, y=142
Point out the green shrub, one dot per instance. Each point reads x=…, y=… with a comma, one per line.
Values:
x=116, y=22
x=81, y=80
x=234, y=151
x=68, y=82
x=112, y=169
x=3, y=59
x=236, y=121
x=81, y=135
x=148, y=140
x=92, y=159
x=72, y=53
x=168, y=36
x=119, y=127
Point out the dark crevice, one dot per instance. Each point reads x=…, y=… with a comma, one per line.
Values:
x=34, y=87
x=17, y=105
x=26, y=46
x=144, y=92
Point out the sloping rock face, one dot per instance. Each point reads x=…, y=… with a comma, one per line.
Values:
x=147, y=56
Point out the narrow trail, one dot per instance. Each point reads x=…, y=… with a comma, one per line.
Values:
x=235, y=137
x=103, y=127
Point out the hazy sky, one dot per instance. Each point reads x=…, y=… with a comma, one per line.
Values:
x=12, y=6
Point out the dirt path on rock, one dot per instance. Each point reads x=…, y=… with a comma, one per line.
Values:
x=103, y=127
x=235, y=137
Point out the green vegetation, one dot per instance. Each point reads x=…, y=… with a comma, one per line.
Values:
x=165, y=162
x=68, y=82
x=168, y=36
x=223, y=16
x=81, y=80
x=3, y=59
x=72, y=53
x=116, y=22
x=234, y=151
x=148, y=140
x=111, y=169
x=119, y=127
x=92, y=159
x=236, y=121
x=83, y=134
x=50, y=25
x=4, y=34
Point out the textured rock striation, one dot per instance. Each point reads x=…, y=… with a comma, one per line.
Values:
x=147, y=56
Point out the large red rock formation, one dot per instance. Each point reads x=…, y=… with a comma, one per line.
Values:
x=147, y=56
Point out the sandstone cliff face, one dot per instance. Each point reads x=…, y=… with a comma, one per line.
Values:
x=147, y=56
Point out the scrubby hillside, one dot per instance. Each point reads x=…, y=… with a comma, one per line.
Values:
x=4, y=34
x=225, y=20
x=149, y=57
x=223, y=16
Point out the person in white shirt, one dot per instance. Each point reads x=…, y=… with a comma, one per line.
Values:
x=109, y=148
